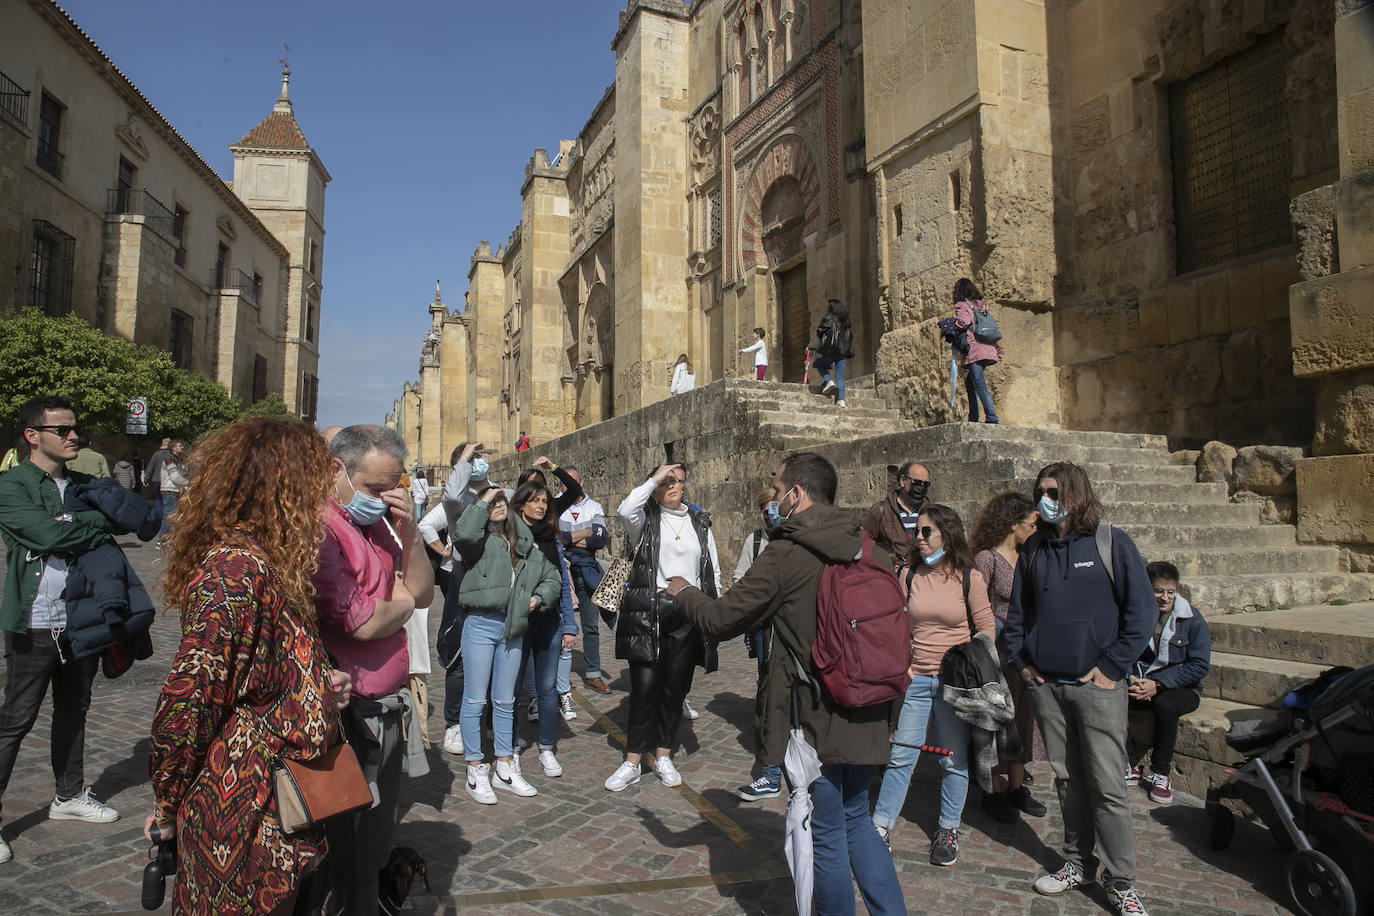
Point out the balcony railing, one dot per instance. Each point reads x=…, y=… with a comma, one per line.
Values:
x=138, y=202
x=235, y=279
x=14, y=102
x=49, y=160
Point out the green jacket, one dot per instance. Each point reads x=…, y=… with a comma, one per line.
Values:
x=34, y=525
x=487, y=584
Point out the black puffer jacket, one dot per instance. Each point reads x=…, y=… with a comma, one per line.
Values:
x=645, y=614
x=107, y=605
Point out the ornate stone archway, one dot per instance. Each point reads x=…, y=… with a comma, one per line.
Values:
x=787, y=157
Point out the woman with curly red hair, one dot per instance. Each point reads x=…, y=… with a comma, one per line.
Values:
x=251, y=681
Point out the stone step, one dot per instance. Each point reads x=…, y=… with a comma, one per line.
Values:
x=810, y=402
x=1046, y=452
x=1322, y=634
x=1152, y=539
x=1216, y=596
x=795, y=435
x=871, y=416
x=1131, y=515
x=1255, y=680
x=1028, y=468
x=1202, y=733
x=1205, y=560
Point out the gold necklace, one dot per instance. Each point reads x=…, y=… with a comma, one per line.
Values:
x=677, y=532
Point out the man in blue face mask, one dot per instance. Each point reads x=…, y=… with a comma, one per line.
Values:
x=1076, y=624
x=372, y=577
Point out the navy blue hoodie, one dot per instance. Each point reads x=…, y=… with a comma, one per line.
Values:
x=1066, y=616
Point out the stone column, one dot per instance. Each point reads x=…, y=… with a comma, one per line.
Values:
x=1333, y=316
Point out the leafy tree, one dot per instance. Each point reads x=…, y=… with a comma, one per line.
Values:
x=99, y=373
x=272, y=405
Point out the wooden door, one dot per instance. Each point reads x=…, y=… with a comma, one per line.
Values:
x=790, y=340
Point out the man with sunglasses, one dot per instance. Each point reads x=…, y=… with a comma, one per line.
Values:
x=1079, y=617
x=40, y=537
x=891, y=521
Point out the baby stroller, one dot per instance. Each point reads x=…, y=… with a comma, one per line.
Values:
x=1309, y=776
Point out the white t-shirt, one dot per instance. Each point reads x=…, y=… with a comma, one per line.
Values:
x=679, y=550
x=49, y=610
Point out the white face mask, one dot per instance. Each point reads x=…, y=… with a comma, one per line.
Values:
x=784, y=516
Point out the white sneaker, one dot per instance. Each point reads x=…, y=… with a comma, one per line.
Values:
x=533, y=714
x=828, y=387
x=5, y=853
x=552, y=768
x=565, y=706
x=479, y=784
x=508, y=776
x=666, y=772
x=453, y=740
x=841, y=403
x=627, y=774
x=688, y=712
x=85, y=807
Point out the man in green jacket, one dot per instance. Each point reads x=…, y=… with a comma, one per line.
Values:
x=40, y=537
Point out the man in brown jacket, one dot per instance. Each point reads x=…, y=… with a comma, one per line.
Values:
x=891, y=521
x=779, y=594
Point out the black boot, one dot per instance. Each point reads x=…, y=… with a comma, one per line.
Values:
x=1022, y=800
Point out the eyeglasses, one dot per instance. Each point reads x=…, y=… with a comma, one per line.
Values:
x=926, y=532
x=61, y=432
x=1051, y=492
x=1165, y=592
x=672, y=482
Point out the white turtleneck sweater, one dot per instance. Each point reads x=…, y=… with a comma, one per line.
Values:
x=679, y=551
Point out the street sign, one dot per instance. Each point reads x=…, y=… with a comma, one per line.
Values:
x=136, y=422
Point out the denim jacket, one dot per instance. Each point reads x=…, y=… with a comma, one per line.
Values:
x=1184, y=651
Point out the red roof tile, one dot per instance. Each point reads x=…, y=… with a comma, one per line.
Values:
x=278, y=130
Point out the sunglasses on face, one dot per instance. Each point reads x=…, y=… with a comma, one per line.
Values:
x=1051, y=492
x=926, y=532
x=61, y=432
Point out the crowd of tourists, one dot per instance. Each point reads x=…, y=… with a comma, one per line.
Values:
x=303, y=565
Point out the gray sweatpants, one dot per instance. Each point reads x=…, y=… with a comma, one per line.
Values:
x=1085, y=736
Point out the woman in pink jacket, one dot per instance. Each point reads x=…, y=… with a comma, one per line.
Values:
x=967, y=299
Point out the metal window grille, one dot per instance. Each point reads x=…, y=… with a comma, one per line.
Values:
x=179, y=340
x=51, y=262
x=716, y=218
x=49, y=159
x=14, y=102
x=1231, y=143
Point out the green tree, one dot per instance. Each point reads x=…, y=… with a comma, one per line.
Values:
x=99, y=373
x=271, y=405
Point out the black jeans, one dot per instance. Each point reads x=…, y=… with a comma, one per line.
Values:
x=1168, y=706
x=658, y=688
x=33, y=661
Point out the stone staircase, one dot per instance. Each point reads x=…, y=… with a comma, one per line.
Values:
x=1267, y=598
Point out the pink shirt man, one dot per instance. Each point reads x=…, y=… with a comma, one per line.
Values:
x=358, y=567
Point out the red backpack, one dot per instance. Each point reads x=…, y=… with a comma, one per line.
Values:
x=863, y=634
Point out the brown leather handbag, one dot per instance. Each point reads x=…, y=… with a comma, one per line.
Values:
x=312, y=791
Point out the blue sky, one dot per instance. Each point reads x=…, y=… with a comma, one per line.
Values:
x=424, y=113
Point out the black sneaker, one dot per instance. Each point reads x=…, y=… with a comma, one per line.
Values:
x=999, y=807
x=1023, y=801
x=944, y=849
x=1027, y=779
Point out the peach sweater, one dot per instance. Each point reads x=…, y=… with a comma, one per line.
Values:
x=938, y=620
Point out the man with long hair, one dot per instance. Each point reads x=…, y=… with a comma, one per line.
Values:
x=1076, y=624
x=40, y=536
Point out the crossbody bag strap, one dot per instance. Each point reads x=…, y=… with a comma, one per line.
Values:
x=968, y=578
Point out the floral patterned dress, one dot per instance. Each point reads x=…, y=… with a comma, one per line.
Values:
x=250, y=682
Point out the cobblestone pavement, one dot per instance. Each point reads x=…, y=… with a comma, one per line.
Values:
x=576, y=848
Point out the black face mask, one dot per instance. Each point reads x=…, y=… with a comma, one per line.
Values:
x=916, y=491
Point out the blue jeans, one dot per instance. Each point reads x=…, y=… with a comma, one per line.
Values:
x=489, y=659
x=924, y=701
x=823, y=364
x=169, y=505
x=977, y=388
x=590, y=615
x=844, y=842
x=540, y=654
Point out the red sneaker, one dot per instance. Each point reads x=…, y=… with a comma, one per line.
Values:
x=1132, y=776
x=1161, y=792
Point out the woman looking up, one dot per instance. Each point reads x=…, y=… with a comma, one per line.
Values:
x=661, y=645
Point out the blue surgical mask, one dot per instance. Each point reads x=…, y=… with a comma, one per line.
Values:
x=770, y=513
x=365, y=510
x=1051, y=511
x=480, y=468
x=935, y=557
